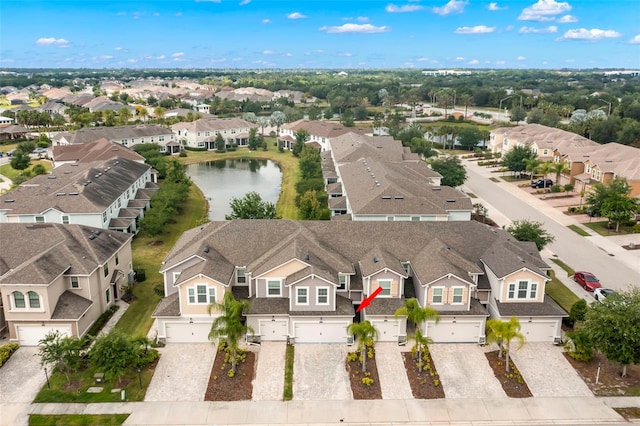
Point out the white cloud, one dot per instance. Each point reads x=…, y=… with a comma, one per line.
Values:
x=268, y=52
x=132, y=61
x=635, y=40
x=156, y=14
x=454, y=6
x=474, y=62
x=478, y=29
x=549, y=29
x=266, y=21
x=500, y=62
x=179, y=14
x=121, y=13
x=208, y=1
x=106, y=57
x=423, y=59
x=356, y=28
x=494, y=7
x=521, y=58
x=117, y=48
x=544, y=10
x=592, y=34
x=459, y=58
x=244, y=2
x=177, y=54
x=345, y=54
x=392, y=8
x=568, y=19
x=296, y=15
x=52, y=41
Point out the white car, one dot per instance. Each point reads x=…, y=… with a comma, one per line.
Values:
x=601, y=293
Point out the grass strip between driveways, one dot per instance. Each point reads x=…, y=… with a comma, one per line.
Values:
x=494, y=179
x=287, y=395
x=570, y=272
x=602, y=228
x=77, y=419
x=578, y=230
x=559, y=292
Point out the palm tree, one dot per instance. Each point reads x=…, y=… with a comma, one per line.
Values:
x=559, y=168
x=421, y=345
x=545, y=168
x=531, y=165
x=495, y=333
x=417, y=315
x=366, y=335
x=124, y=114
x=503, y=332
x=229, y=324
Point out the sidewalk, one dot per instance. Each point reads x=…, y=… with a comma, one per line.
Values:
x=6, y=183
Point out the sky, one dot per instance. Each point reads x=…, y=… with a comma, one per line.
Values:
x=256, y=34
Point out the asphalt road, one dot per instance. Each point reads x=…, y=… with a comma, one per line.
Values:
x=573, y=249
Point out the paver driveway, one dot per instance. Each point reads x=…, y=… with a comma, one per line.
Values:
x=547, y=372
x=391, y=371
x=22, y=377
x=268, y=383
x=464, y=371
x=182, y=374
x=319, y=373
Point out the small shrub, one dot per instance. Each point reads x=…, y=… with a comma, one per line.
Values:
x=568, y=187
x=147, y=357
x=636, y=228
x=578, y=311
x=556, y=188
x=6, y=351
x=183, y=153
x=231, y=373
x=159, y=289
x=141, y=275
x=367, y=381
x=352, y=356
x=436, y=382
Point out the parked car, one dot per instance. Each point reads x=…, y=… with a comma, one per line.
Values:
x=602, y=293
x=39, y=151
x=10, y=153
x=542, y=183
x=587, y=280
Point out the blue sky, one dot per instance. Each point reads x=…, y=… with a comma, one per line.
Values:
x=320, y=34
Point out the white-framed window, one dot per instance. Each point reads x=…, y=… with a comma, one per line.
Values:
x=458, y=292
x=302, y=296
x=407, y=267
x=65, y=220
x=436, y=297
x=104, y=217
x=201, y=294
x=200, y=144
x=107, y=295
x=39, y=219
x=342, y=280
x=522, y=290
x=322, y=295
x=105, y=268
x=415, y=218
x=386, y=287
x=512, y=291
x=34, y=299
x=523, y=287
x=274, y=288
x=161, y=138
x=241, y=277
x=18, y=300
x=117, y=259
x=175, y=276
x=533, y=290
x=75, y=283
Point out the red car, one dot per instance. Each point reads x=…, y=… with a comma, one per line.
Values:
x=587, y=280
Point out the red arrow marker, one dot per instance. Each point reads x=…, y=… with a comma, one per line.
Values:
x=369, y=299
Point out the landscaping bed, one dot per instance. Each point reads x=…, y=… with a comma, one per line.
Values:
x=512, y=383
x=357, y=378
x=629, y=413
x=224, y=386
x=609, y=382
x=424, y=384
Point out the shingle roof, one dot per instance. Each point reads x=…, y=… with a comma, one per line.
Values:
x=70, y=306
x=548, y=308
x=99, y=150
x=92, y=134
x=213, y=124
x=280, y=306
x=384, y=306
x=475, y=308
x=168, y=307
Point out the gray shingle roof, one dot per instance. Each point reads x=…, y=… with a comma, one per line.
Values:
x=548, y=308
x=99, y=150
x=280, y=306
x=475, y=308
x=168, y=307
x=92, y=134
x=384, y=306
x=70, y=306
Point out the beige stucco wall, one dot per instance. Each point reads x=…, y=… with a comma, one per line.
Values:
x=396, y=290
x=199, y=309
x=169, y=289
x=520, y=276
x=447, y=294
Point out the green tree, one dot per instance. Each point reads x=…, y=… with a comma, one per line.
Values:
x=614, y=327
x=220, y=143
x=251, y=207
x=309, y=207
x=577, y=312
x=114, y=353
x=310, y=164
x=531, y=166
x=20, y=160
x=61, y=352
x=124, y=114
x=544, y=169
x=503, y=333
x=469, y=137
x=527, y=230
x=617, y=205
x=517, y=114
x=451, y=168
x=417, y=315
x=366, y=335
x=229, y=325
x=515, y=159
x=39, y=169
x=558, y=169
x=302, y=136
x=614, y=195
x=253, y=138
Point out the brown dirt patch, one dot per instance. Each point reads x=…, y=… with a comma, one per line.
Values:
x=359, y=389
x=513, y=383
x=221, y=387
x=74, y=385
x=628, y=413
x=424, y=384
x=609, y=382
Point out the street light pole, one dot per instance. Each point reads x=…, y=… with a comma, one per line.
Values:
x=608, y=103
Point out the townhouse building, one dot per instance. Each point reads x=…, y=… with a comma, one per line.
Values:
x=202, y=133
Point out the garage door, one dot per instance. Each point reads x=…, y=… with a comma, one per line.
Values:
x=543, y=331
x=454, y=332
x=387, y=330
x=325, y=332
x=274, y=331
x=31, y=335
x=185, y=332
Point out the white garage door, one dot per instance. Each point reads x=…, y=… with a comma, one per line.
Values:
x=185, y=332
x=454, y=332
x=31, y=335
x=387, y=330
x=317, y=332
x=274, y=331
x=543, y=331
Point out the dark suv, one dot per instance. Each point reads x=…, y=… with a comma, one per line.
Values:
x=542, y=183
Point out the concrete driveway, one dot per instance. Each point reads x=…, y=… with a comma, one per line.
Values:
x=547, y=372
x=319, y=372
x=268, y=383
x=182, y=373
x=391, y=371
x=464, y=371
x=22, y=377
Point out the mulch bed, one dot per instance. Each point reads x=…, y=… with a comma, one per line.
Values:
x=359, y=389
x=629, y=413
x=221, y=387
x=609, y=382
x=423, y=384
x=513, y=383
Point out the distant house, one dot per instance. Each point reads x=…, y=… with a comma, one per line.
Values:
x=13, y=131
x=202, y=133
x=5, y=120
x=99, y=150
x=320, y=132
x=53, y=107
x=57, y=277
x=111, y=194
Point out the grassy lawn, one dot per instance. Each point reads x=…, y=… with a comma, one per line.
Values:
x=602, y=229
x=496, y=180
x=286, y=206
x=76, y=419
x=288, y=374
x=12, y=173
x=564, y=266
x=8, y=147
x=578, y=230
x=148, y=253
x=472, y=195
x=560, y=293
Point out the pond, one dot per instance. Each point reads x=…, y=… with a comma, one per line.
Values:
x=222, y=180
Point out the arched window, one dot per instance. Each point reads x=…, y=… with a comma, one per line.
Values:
x=34, y=299
x=18, y=300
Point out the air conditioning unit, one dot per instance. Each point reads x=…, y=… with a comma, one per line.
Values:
x=350, y=340
x=482, y=340
x=557, y=340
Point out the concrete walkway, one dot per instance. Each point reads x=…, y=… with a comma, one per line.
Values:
x=6, y=183
x=116, y=317
x=268, y=383
x=391, y=371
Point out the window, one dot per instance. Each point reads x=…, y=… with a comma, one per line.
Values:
x=117, y=260
x=415, y=218
x=65, y=220
x=212, y=294
x=106, y=269
x=302, y=296
x=201, y=294
x=390, y=218
x=161, y=138
x=175, y=276
x=457, y=295
x=273, y=288
x=192, y=295
x=74, y=282
x=523, y=286
x=386, y=287
x=104, y=217
x=107, y=295
x=406, y=266
x=18, y=300
x=323, y=296
x=342, y=279
x=39, y=219
x=533, y=291
x=241, y=276
x=512, y=291
x=437, y=295
x=525, y=290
